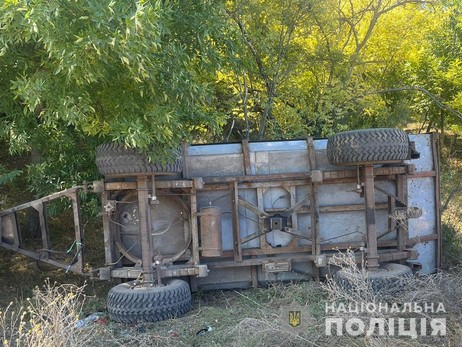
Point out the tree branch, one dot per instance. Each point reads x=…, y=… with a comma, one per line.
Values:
x=436, y=99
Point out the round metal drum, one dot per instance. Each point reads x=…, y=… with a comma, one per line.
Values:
x=169, y=226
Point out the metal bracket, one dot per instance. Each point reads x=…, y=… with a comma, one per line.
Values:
x=277, y=266
x=321, y=260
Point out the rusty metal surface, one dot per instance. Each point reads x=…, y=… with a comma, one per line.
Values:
x=277, y=199
x=422, y=193
x=339, y=209
x=210, y=220
x=11, y=233
x=168, y=227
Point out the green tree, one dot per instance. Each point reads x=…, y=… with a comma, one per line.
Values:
x=74, y=73
x=438, y=71
x=320, y=67
x=269, y=31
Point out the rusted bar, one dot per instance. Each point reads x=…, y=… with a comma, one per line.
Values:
x=381, y=171
x=252, y=236
x=145, y=229
x=270, y=250
x=311, y=153
x=380, y=243
x=184, y=153
x=331, y=209
x=78, y=232
x=436, y=166
x=254, y=275
x=119, y=186
x=107, y=238
x=330, y=246
x=258, y=261
x=395, y=197
x=218, y=183
x=41, y=209
x=38, y=256
x=159, y=184
x=246, y=156
x=402, y=234
x=314, y=205
x=425, y=174
x=194, y=228
x=236, y=225
x=294, y=216
x=385, y=257
x=315, y=239
x=258, y=178
x=261, y=221
x=170, y=271
x=371, y=234
x=64, y=193
x=269, y=184
x=394, y=256
x=339, y=176
x=252, y=207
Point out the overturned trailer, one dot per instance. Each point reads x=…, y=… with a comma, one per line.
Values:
x=244, y=214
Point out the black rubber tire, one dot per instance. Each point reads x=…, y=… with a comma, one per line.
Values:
x=388, y=279
x=368, y=146
x=131, y=304
x=115, y=159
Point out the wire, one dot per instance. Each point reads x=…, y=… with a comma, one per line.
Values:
x=122, y=256
x=337, y=237
x=80, y=248
x=116, y=223
x=281, y=197
x=169, y=226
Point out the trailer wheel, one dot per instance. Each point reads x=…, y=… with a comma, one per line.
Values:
x=368, y=146
x=131, y=303
x=115, y=159
x=387, y=279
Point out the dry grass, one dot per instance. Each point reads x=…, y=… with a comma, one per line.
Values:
x=440, y=288
x=254, y=317
x=47, y=319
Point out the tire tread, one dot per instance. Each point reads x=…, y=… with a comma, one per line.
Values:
x=151, y=304
x=114, y=158
x=382, y=145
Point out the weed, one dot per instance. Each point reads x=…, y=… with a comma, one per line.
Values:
x=47, y=319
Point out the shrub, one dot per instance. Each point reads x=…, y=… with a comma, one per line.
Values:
x=48, y=319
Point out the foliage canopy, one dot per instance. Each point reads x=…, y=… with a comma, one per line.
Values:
x=150, y=74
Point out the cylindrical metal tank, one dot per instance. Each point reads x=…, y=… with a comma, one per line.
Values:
x=211, y=231
x=169, y=226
